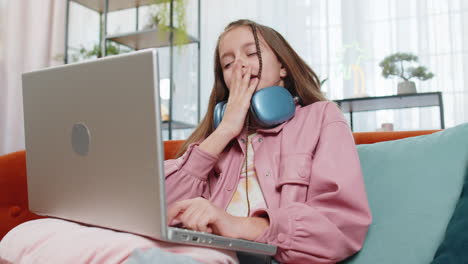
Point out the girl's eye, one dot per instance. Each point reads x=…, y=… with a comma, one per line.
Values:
x=253, y=54
x=227, y=65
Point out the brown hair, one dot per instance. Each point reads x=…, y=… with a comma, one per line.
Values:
x=301, y=81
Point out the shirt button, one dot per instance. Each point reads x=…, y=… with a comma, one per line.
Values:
x=267, y=174
x=242, y=140
x=281, y=237
x=260, y=140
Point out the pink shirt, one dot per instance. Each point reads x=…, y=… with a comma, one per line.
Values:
x=309, y=171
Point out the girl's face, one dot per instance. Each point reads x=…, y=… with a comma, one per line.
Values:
x=237, y=50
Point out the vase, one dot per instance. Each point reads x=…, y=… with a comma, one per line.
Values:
x=406, y=87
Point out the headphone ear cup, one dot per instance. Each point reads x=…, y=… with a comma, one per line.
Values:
x=272, y=106
x=218, y=113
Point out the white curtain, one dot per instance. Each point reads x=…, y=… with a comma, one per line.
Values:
x=31, y=38
x=334, y=36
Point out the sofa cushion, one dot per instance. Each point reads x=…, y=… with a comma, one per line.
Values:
x=413, y=186
x=452, y=250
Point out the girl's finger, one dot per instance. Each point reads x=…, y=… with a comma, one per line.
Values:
x=202, y=219
x=176, y=209
x=203, y=224
x=253, y=85
x=237, y=72
x=189, y=218
x=175, y=222
x=246, y=78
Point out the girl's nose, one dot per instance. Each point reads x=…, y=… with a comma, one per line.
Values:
x=244, y=69
x=241, y=61
x=243, y=65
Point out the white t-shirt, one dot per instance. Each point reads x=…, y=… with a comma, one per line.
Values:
x=238, y=204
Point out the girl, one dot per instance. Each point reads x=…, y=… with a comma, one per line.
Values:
x=297, y=185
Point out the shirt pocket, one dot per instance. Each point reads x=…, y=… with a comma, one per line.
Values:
x=295, y=169
x=294, y=178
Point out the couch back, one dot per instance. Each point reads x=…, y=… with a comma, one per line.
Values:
x=14, y=208
x=172, y=146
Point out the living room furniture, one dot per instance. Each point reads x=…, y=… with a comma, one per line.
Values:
x=183, y=77
x=14, y=208
x=416, y=186
x=362, y=104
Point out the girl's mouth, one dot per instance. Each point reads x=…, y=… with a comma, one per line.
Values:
x=252, y=79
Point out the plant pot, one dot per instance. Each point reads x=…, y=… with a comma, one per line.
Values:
x=406, y=87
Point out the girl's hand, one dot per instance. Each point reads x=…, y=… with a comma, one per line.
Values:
x=241, y=89
x=200, y=215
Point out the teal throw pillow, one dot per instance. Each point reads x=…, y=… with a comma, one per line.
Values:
x=413, y=186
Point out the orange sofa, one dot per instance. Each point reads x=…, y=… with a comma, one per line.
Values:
x=14, y=208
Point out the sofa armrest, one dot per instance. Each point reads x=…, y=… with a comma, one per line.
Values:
x=14, y=209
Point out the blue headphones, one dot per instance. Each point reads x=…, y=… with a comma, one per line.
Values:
x=270, y=106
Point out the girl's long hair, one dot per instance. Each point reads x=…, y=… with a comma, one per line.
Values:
x=301, y=81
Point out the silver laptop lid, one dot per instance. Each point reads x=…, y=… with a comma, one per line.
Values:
x=90, y=129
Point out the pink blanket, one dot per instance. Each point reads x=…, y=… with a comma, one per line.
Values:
x=58, y=241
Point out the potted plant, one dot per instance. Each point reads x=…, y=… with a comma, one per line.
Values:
x=403, y=65
x=95, y=52
x=160, y=18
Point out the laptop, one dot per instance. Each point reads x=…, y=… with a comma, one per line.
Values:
x=95, y=150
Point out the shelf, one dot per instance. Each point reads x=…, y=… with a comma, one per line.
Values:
x=148, y=38
x=362, y=104
x=143, y=39
x=177, y=125
x=114, y=5
x=389, y=102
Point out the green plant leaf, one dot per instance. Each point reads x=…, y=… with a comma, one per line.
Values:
x=400, y=65
x=179, y=29
x=95, y=51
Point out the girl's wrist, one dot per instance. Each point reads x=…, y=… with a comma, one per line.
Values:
x=253, y=227
x=224, y=134
x=216, y=142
